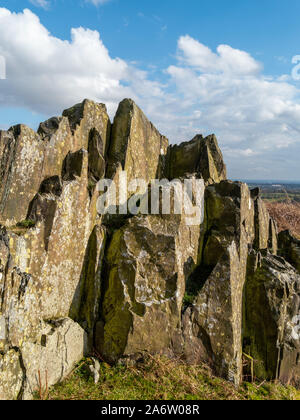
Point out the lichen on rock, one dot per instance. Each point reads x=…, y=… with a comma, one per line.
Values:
x=73, y=280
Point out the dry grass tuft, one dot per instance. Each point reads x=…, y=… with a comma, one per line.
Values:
x=158, y=378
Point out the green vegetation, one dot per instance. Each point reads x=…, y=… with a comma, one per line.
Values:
x=280, y=197
x=27, y=224
x=188, y=300
x=158, y=378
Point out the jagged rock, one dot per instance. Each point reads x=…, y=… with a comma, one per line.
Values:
x=57, y=140
x=21, y=159
x=183, y=159
x=273, y=237
x=201, y=155
x=73, y=165
x=272, y=318
x=72, y=279
x=136, y=146
x=85, y=305
x=11, y=376
x=85, y=119
x=147, y=263
x=97, y=164
x=212, y=325
x=43, y=259
x=262, y=222
x=62, y=343
x=28, y=158
x=289, y=248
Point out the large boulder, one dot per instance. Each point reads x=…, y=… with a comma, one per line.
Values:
x=201, y=156
x=28, y=158
x=213, y=322
x=272, y=318
x=28, y=343
x=262, y=222
x=21, y=163
x=147, y=264
x=50, y=261
x=171, y=282
x=136, y=146
x=11, y=375
x=85, y=119
x=62, y=343
x=289, y=248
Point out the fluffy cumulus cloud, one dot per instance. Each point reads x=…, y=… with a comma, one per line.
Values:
x=47, y=74
x=256, y=118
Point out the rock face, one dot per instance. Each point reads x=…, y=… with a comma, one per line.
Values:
x=135, y=147
x=289, y=248
x=215, y=316
x=148, y=261
x=272, y=318
x=45, y=237
x=201, y=156
x=72, y=280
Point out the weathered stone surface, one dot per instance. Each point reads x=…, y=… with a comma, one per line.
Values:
x=50, y=262
x=57, y=140
x=212, y=325
x=183, y=159
x=71, y=279
x=289, y=248
x=272, y=318
x=148, y=261
x=273, y=237
x=62, y=343
x=85, y=119
x=201, y=155
x=28, y=158
x=11, y=376
x=262, y=221
x=21, y=160
x=85, y=305
x=136, y=146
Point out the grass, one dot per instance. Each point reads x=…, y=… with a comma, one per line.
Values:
x=287, y=215
x=163, y=379
x=158, y=378
x=26, y=224
x=188, y=299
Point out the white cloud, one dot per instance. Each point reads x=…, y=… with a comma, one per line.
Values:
x=226, y=61
x=41, y=3
x=256, y=118
x=97, y=2
x=45, y=4
x=47, y=74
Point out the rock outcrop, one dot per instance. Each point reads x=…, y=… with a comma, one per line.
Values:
x=217, y=283
x=272, y=318
x=206, y=288
x=289, y=248
x=200, y=156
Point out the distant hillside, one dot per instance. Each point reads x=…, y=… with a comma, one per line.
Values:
x=286, y=214
x=283, y=202
x=277, y=191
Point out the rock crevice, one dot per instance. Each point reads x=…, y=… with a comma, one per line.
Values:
x=73, y=281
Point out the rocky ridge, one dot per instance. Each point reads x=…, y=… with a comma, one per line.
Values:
x=73, y=282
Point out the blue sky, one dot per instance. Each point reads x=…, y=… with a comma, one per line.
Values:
x=220, y=66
